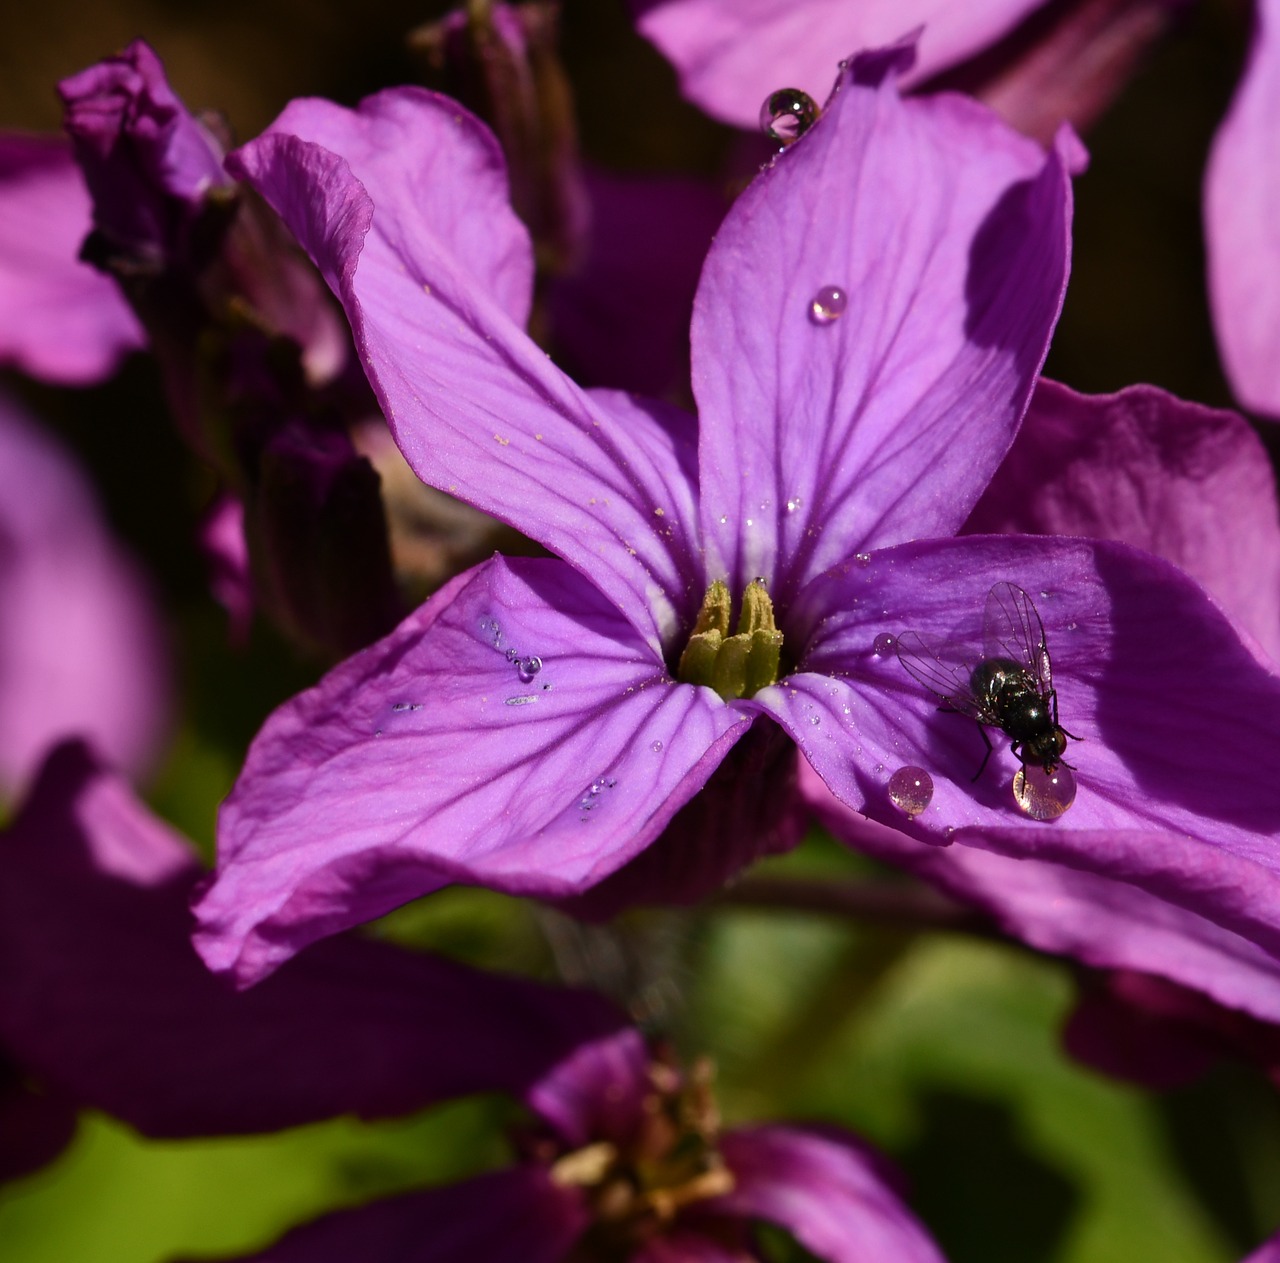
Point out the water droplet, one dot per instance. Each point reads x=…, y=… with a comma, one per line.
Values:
x=863, y=559
x=911, y=790
x=787, y=114
x=793, y=504
x=724, y=517
x=401, y=707
x=884, y=644
x=512, y=655
x=527, y=668
x=1044, y=795
x=828, y=305
x=591, y=799
x=1071, y=626
x=815, y=720
x=525, y=699
x=1044, y=594
x=656, y=747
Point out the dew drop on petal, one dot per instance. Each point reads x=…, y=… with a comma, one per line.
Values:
x=793, y=504
x=884, y=644
x=1044, y=795
x=828, y=305
x=863, y=559
x=814, y=720
x=787, y=114
x=656, y=747
x=527, y=668
x=526, y=699
x=911, y=790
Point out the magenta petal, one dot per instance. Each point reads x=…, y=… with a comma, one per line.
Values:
x=829, y=1191
x=1268, y=1252
x=1089, y=907
x=102, y=995
x=35, y=1124
x=1242, y=237
x=1191, y=484
x=60, y=320
x=947, y=232
x=731, y=54
x=1171, y=705
x=598, y=1092
x=433, y=271
x=440, y=754
x=514, y=1216
x=82, y=649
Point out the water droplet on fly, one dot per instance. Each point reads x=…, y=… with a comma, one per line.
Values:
x=884, y=644
x=911, y=790
x=787, y=114
x=828, y=305
x=527, y=668
x=1044, y=795
x=656, y=747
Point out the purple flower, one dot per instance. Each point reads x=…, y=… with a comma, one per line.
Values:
x=627, y=1161
x=537, y=725
x=1268, y=1252
x=103, y=1001
x=82, y=650
x=60, y=320
x=731, y=55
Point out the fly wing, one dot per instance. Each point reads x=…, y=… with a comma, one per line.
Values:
x=948, y=681
x=1011, y=628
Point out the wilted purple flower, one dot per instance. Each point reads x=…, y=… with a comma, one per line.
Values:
x=539, y=724
x=82, y=650
x=104, y=1002
x=731, y=55
x=60, y=319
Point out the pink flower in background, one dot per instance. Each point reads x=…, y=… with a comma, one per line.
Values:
x=60, y=319
x=731, y=54
x=82, y=649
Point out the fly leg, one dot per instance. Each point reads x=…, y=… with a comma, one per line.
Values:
x=985, y=757
x=1053, y=694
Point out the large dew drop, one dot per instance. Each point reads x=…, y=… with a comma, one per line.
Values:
x=911, y=790
x=787, y=114
x=1044, y=795
x=828, y=305
x=884, y=644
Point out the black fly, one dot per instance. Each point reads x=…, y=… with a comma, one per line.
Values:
x=1010, y=687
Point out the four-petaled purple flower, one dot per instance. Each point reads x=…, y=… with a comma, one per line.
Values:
x=539, y=724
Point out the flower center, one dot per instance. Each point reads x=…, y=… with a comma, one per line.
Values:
x=637, y=1186
x=739, y=665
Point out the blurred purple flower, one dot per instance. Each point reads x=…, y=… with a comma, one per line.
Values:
x=82, y=649
x=1268, y=1252
x=103, y=1002
x=527, y=729
x=731, y=55
x=60, y=319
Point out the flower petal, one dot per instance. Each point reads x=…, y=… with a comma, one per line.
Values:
x=433, y=271
x=102, y=995
x=1171, y=706
x=948, y=233
x=437, y=755
x=828, y=1190
x=1191, y=484
x=1152, y=901
x=82, y=649
x=1242, y=240
x=1268, y=1252
x=514, y=1216
x=60, y=320
x=731, y=54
